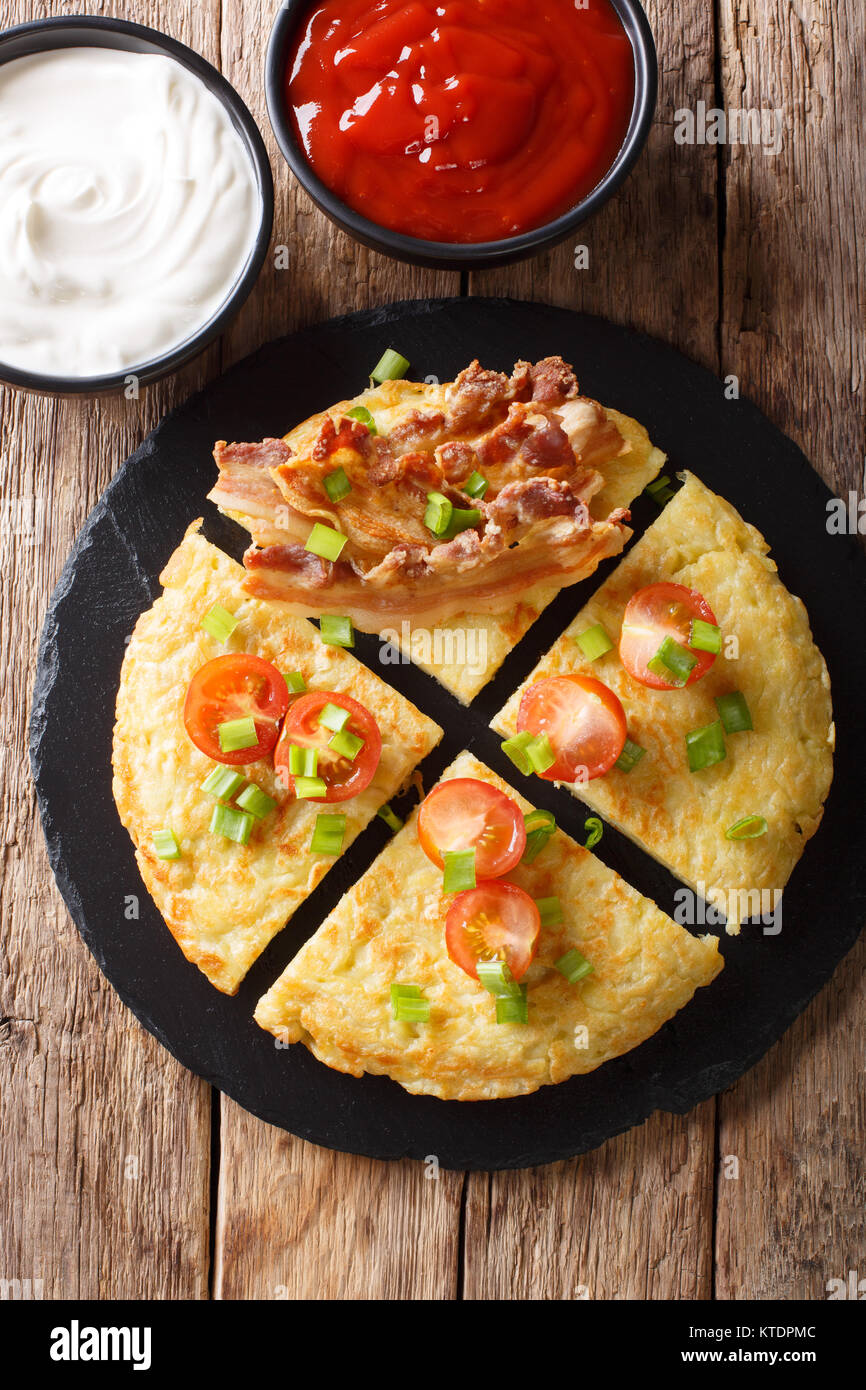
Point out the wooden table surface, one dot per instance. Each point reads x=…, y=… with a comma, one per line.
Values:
x=125, y=1176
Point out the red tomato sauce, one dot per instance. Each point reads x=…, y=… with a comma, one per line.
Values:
x=462, y=120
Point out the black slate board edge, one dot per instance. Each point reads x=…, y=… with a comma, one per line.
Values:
x=657, y=1091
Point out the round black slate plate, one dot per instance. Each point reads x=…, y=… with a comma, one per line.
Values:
x=112, y=575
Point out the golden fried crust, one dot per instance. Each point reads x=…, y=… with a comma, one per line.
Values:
x=781, y=770
x=334, y=996
x=223, y=902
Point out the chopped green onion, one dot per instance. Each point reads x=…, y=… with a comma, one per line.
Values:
x=412, y=1010
x=734, y=712
x=337, y=484
x=459, y=870
x=408, y=1004
x=392, y=820
x=295, y=681
x=310, y=788
x=535, y=843
x=328, y=834
x=325, y=542
x=549, y=910
x=497, y=979
x=236, y=734
x=659, y=490
x=461, y=519
x=705, y=746
x=303, y=762
x=399, y=991
x=222, y=783
x=257, y=802
x=540, y=753
x=231, y=823
x=336, y=631
x=705, y=637
x=476, y=485
x=573, y=966
x=749, y=828
x=219, y=623
x=515, y=749
x=631, y=755
x=165, y=845
x=673, y=662
x=360, y=412
x=334, y=717
x=544, y=821
x=347, y=744
x=445, y=520
x=438, y=513
x=390, y=367
x=594, y=642
x=512, y=1008
x=596, y=830
x=540, y=826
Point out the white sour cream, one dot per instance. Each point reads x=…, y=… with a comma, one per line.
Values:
x=128, y=209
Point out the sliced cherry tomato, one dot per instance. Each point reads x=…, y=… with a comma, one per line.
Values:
x=493, y=921
x=466, y=813
x=345, y=777
x=583, y=720
x=234, y=687
x=651, y=615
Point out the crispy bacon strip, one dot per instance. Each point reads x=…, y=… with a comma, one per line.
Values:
x=530, y=434
x=535, y=530
x=245, y=489
x=592, y=437
x=385, y=506
x=565, y=558
x=549, y=382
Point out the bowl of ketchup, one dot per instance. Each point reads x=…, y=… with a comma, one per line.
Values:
x=458, y=134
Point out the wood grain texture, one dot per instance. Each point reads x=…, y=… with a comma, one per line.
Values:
x=106, y=1140
x=296, y=1221
x=795, y=224
x=793, y=331
x=633, y=1219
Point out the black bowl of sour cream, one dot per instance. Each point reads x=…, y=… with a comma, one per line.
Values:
x=136, y=204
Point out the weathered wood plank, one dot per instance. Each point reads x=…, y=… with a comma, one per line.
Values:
x=793, y=331
x=793, y=313
x=104, y=1187
x=630, y=1221
x=634, y=1218
x=295, y=1220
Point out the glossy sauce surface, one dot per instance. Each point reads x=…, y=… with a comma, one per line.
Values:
x=458, y=121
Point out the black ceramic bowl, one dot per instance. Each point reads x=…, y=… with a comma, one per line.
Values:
x=447, y=255
x=91, y=31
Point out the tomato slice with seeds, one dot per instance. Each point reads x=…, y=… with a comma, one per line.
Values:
x=345, y=777
x=651, y=615
x=583, y=720
x=466, y=813
x=235, y=687
x=493, y=921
